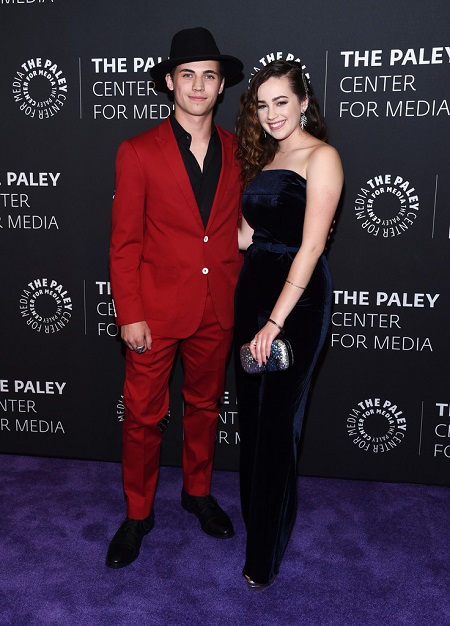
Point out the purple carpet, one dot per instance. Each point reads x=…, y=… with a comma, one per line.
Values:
x=361, y=554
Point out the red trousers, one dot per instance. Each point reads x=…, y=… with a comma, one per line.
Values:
x=146, y=397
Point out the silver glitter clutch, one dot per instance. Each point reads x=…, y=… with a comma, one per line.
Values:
x=281, y=357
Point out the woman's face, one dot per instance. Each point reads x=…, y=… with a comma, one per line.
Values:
x=279, y=109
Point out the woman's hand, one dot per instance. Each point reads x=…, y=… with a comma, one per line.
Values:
x=262, y=342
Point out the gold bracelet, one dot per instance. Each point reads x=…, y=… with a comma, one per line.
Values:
x=280, y=328
x=294, y=285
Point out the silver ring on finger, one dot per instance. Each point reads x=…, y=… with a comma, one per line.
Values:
x=139, y=349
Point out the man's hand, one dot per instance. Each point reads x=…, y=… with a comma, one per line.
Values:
x=137, y=336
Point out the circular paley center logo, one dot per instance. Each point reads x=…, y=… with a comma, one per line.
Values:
x=277, y=56
x=39, y=88
x=376, y=425
x=387, y=205
x=45, y=305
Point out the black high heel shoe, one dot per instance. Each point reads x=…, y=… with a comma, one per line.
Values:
x=251, y=584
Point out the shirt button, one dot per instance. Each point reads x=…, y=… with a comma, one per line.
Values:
x=205, y=238
x=205, y=270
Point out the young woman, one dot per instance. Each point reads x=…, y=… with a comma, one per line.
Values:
x=293, y=181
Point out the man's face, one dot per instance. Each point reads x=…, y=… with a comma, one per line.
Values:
x=195, y=86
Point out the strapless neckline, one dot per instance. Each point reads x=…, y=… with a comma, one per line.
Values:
x=284, y=170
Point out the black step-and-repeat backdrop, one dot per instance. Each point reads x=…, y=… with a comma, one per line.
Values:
x=74, y=82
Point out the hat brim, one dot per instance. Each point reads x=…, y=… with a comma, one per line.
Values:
x=232, y=67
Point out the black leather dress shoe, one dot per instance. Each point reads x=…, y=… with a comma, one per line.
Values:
x=125, y=545
x=213, y=520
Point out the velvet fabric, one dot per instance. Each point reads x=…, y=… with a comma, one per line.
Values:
x=272, y=405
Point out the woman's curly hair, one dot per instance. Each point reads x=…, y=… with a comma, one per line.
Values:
x=255, y=148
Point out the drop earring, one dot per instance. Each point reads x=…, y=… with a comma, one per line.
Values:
x=303, y=121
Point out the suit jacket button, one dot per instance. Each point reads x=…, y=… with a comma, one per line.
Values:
x=205, y=238
x=205, y=270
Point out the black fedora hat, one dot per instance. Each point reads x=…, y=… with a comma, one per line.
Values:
x=195, y=44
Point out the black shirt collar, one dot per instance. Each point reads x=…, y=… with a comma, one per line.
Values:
x=181, y=135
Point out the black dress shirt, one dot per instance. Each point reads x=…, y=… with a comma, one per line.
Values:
x=204, y=183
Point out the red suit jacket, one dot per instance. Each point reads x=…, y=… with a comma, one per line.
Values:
x=161, y=257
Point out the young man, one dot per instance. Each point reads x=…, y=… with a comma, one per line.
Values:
x=174, y=266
